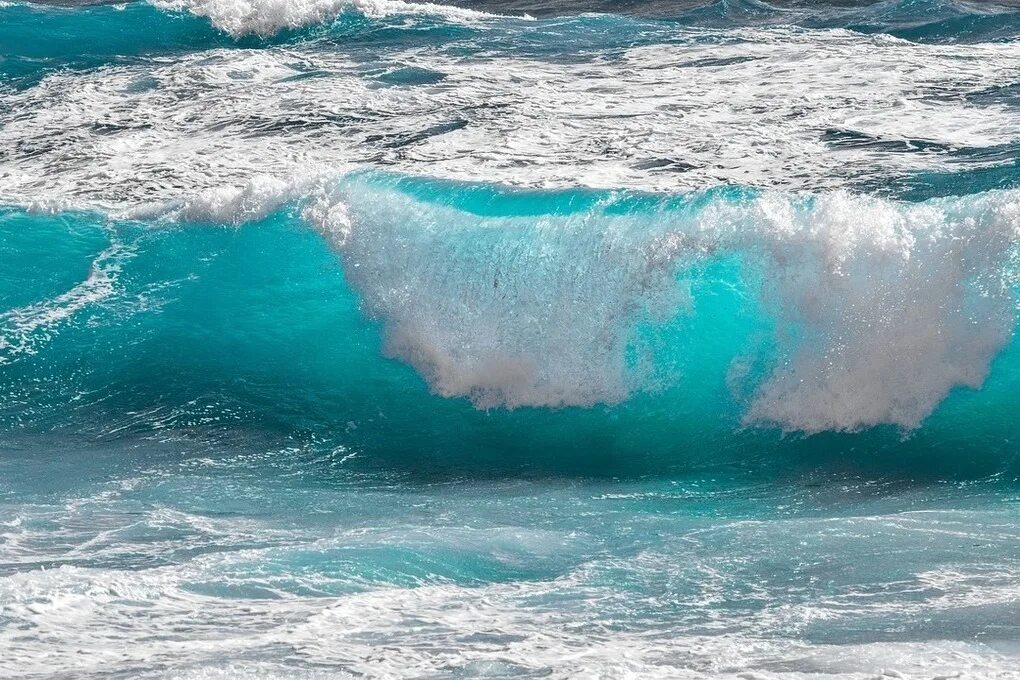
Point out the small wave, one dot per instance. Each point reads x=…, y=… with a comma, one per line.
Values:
x=268, y=17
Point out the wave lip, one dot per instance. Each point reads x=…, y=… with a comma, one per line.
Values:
x=508, y=311
x=892, y=305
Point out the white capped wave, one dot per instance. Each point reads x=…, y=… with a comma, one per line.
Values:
x=882, y=308
x=268, y=17
x=894, y=305
x=230, y=135
x=518, y=311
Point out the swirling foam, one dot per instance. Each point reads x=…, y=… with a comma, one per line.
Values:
x=659, y=117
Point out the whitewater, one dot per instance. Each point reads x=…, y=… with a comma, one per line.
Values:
x=598, y=338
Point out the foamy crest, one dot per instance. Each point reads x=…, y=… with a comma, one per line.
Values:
x=251, y=201
x=509, y=311
x=268, y=17
x=882, y=308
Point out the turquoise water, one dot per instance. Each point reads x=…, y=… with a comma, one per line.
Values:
x=521, y=340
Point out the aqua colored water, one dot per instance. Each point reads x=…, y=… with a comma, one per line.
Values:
x=347, y=338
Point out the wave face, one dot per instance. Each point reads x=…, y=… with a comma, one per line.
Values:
x=806, y=313
x=879, y=309
x=609, y=338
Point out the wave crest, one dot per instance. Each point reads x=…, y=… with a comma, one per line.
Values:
x=879, y=308
x=269, y=17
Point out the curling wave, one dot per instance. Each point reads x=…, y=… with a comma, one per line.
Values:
x=518, y=299
x=818, y=312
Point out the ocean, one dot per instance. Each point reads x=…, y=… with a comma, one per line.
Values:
x=536, y=338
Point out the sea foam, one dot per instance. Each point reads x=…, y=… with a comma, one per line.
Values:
x=268, y=17
x=880, y=308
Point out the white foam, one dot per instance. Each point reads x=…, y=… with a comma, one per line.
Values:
x=115, y=577
x=893, y=305
x=78, y=620
x=267, y=17
x=165, y=130
x=252, y=201
x=525, y=311
x=23, y=329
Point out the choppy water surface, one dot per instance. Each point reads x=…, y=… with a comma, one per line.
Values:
x=528, y=339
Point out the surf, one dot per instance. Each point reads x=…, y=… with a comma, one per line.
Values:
x=518, y=338
x=730, y=314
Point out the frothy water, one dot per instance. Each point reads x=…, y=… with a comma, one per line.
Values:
x=347, y=338
x=661, y=107
x=268, y=17
x=890, y=306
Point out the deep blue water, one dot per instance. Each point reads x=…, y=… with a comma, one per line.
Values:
x=605, y=339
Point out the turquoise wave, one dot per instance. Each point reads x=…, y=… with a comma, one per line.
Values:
x=437, y=325
x=303, y=416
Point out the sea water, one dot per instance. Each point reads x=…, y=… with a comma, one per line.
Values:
x=347, y=338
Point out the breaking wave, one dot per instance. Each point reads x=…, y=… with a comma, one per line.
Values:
x=268, y=17
x=524, y=299
x=818, y=312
